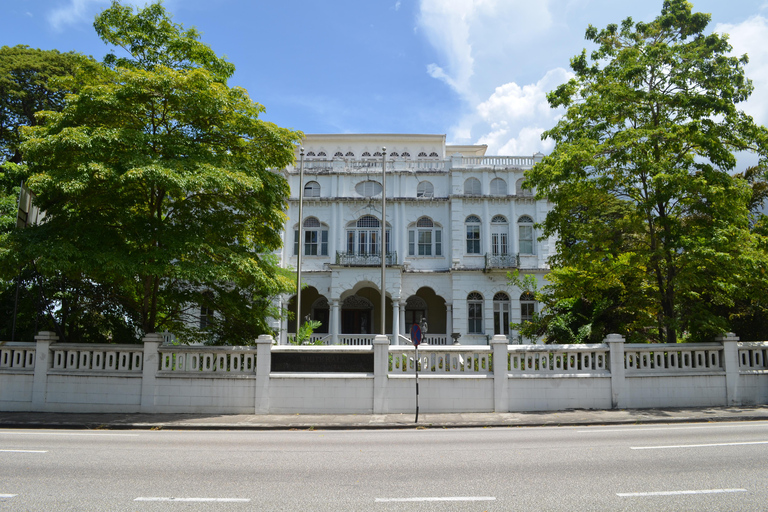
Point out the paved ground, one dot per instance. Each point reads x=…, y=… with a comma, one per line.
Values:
x=376, y=421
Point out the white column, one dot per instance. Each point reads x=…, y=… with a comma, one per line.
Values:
x=283, y=334
x=485, y=243
x=44, y=340
x=395, y=321
x=149, y=369
x=500, y=348
x=335, y=321
x=263, y=368
x=449, y=319
x=402, y=321
x=731, y=365
x=380, y=373
x=615, y=344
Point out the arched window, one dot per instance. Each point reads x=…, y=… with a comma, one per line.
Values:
x=363, y=236
x=350, y=154
x=474, y=313
x=525, y=230
x=312, y=189
x=522, y=192
x=434, y=155
x=422, y=154
x=405, y=154
x=311, y=153
x=425, y=189
x=499, y=235
x=425, y=238
x=315, y=238
x=368, y=188
x=394, y=154
x=527, y=307
x=498, y=187
x=378, y=153
x=322, y=153
x=338, y=154
x=365, y=154
x=472, y=187
x=472, y=224
x=501, y=319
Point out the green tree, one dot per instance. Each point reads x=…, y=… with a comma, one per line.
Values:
x=28, y=84
x=157, y=182
x=647, y=214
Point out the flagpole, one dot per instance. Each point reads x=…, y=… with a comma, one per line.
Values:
x=383, y=240
x=299, y=251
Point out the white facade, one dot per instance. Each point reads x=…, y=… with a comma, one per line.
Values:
x=457, y=222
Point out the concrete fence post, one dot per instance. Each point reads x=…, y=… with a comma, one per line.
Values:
x=44, y=339
x=731, y=366
x=263, y=368
x=615, y=344
x=380, y=372
x=500, y=350
x=151, y=365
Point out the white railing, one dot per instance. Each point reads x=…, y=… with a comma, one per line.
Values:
x=451, y=360
x=436, y=339
x=356, y=339
x=314, y=337
x=99, y=358
x=17, y=356
x=497, y=161
x=673, y=356
x=559, y=359
x=753, y=355
x=213, y=360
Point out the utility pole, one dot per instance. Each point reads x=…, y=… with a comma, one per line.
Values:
x=301, y=245
x=383, y=240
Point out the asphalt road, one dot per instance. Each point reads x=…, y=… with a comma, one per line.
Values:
x=718, y=466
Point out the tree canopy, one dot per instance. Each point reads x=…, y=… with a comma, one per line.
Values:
x=654, y=238
x=157, y=182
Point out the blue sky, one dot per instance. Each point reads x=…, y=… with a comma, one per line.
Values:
x=476, y=70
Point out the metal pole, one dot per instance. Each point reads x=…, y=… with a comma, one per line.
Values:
x=18, y=278
x=417, y=384
x=298, y=259
x=383, y=240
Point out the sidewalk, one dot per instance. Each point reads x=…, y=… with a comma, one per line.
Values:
x=376, y=421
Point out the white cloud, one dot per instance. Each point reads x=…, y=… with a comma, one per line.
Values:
x=515, y=116
x=84, y=11
x=749, y=37
x=397, y=5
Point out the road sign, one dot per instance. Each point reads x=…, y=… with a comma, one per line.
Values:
x=415, y=334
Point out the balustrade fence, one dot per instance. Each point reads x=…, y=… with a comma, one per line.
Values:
x=500, y=377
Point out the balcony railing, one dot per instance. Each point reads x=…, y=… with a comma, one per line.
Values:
x=364, y=260
x=502, y=260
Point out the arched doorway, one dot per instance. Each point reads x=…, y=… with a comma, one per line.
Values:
x=356, y=315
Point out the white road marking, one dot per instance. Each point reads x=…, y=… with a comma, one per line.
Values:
x=217, y=500
x=676, y=493
x=695, y=445
x=641, y=429
x=8, y=495
x=446, y=498
x=24, y=451
x=53, y=433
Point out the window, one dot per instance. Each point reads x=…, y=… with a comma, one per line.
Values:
x=525, y=228
x=499, y=235
x=433, y=154
x=312, y=189
x=394, y=154
x=315, y=238
x=475, y=313
x=501, y=318
x=368, y=188
x=405, y=154
x=425, y=189
x=473, y=234
x=365, y=153
x=425, y=238
x=349, y=153
x=322, y=153
x=522, y=192
x=498, y=187
x=472, y=187
x=363, y=236
x=311, y=153
x=206, y=315
x=415, y=310
x=378, y=153
x=338, y=154
x=527, y=307
x=422, y=154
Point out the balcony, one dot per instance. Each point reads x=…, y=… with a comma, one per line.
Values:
x=501, y=261
x=364, y=260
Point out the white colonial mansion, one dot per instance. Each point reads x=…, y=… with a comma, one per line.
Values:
x=456, y=222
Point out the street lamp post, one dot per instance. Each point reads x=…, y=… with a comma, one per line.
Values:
x=298, y=255
x=383, y=240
